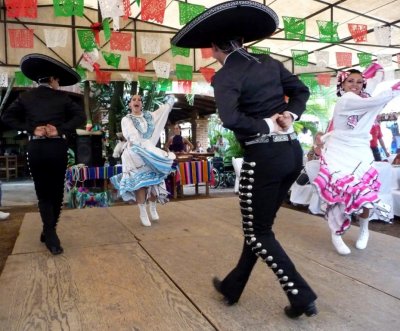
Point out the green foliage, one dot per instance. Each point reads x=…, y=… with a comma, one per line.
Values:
x=152, y=98
x=215, y=130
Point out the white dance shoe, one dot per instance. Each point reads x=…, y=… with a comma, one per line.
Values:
x=144, y=218
x=363, y=237
x=153, y=211
x=339, y=244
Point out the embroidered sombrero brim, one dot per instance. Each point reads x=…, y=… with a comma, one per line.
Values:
x=36, y=66
x=250, y=20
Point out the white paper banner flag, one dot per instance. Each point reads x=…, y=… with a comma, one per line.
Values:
x=383, y=34
x=162, y=69
x=150, y=45
x=89, y=58
x=385, y=60
x=56, y=37
x=3, y=79
x=111, y=8
x=322, y=58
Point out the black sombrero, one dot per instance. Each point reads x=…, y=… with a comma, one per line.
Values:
x=250, y=20
x=36, y=66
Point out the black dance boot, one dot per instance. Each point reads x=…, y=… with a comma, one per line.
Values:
x=294, y=312
x=218, y=286
x=52, y=241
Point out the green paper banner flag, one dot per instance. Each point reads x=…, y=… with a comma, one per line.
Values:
x=82, y=72
x=300, y=57
x=164, y=84
x=68, y=7
x=21, y=79
x=310, y=81
x=180, y=51
x=86, y=39
x=295, y=28
x=145, y=82
x=184, y=72
x=328, y=31
x=106, y=29
x=112, y=59
x=260, y=50
x=188, y=11
x=365, y=59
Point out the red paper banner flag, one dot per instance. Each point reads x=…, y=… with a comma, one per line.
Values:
x=184, y=86
x=21, y=38
x=324, y=79
x=103, y=77
x=207, y=73
x=21, y=8
x=153, y=10
x=136, y=64
x=206, y=53
x=120, y=41
x=343, y=59
x=127, y=8
x=358, y=32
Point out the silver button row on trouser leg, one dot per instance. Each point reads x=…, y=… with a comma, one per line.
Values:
x=248, y=229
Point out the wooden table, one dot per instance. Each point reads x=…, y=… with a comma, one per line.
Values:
x=195, y=172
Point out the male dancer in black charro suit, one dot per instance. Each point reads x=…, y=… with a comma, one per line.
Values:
x=48, y=116
x=250, y=96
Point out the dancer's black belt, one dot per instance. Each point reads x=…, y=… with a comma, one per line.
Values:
x=44, y=137
x=265, y=139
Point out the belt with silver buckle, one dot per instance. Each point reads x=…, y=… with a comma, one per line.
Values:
x=263, y=139
x=44, y=137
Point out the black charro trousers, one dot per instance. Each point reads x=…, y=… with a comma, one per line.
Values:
x=268, y=171
x=47, y=160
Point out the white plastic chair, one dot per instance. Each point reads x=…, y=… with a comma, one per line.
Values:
x=312, y=169
x=386, y=193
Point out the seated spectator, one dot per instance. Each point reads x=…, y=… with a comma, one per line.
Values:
x=377, y=136
x=199, y=148
x=315, y=151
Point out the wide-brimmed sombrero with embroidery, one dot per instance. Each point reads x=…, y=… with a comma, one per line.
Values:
x=36, y=66
x=247, y=19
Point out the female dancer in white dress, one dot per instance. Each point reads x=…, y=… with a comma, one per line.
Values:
x=347, y=182
x=144, y=166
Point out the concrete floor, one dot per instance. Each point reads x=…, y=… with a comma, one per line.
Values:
x=22, y=192
x=118, y=275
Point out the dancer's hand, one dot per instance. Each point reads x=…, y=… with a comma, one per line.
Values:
x=285, y=120
x=277, y=126
x=40, y=131
x=51, y=131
